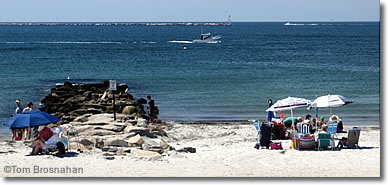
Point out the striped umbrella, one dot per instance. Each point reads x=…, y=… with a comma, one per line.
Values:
x=289, y=104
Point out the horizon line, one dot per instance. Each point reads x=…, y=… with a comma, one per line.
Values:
x=186, y=21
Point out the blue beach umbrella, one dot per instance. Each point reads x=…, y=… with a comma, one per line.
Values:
x=30, y=119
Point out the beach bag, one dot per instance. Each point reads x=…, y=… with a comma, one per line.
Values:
x=265, y=135
x=276, y=145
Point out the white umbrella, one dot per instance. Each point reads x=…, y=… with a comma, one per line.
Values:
x=330, y=101
x=289, y=104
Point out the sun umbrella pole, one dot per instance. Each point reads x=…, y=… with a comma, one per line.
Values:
x=293, y=127
x=316, y=119
x=331, y=112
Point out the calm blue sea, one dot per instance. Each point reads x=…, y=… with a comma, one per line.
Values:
x=230, y=80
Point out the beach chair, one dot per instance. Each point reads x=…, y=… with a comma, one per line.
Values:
x=257, y=124
x=352, y=140
x=332, y=128
x=324, y=140
x=303, y=129
x=353, y=137
x=306, y=143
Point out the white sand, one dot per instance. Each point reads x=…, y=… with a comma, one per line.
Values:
x=222, y=151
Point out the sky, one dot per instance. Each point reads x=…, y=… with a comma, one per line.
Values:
x=187, y=10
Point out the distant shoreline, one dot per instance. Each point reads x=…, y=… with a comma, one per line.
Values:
x=156, y=23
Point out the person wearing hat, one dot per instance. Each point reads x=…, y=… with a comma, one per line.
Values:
x=18, y=109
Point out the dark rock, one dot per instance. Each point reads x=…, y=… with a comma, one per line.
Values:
x=112, y=149
x=122, y=87
x=187, y=149
x=142, y=101
x=87, y=143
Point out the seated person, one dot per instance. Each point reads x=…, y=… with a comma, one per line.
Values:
x=45, y=133
x=58, y=132
x=333, y=118
x=309, y=122
x=325, y=130
x=340, y=127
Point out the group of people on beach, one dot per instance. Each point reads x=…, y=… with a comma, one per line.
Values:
x=19, y=134
x=292, y=127
x=43, y=136
x=314, y=124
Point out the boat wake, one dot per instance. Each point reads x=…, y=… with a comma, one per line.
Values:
x=191, y=42
x=181, y=41
x=294, y=24
x=65, y=42
x=145, y=42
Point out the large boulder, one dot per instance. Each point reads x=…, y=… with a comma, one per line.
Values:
x=129, y=110
x=78, y=146
x=87, y=143
x=97, y=133
x=115, y=141
x=136, y=140
x=142, y=101
x=148, y=155
x=122, y=87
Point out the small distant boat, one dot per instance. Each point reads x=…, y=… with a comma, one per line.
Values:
x=207, y=38
x=287, y=24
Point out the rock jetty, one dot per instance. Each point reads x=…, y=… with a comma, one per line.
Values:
x=86, y=111
x=71, y=100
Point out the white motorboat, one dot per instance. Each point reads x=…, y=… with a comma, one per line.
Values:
x=207, y=38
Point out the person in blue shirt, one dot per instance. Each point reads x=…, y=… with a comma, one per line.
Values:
x=270, y=113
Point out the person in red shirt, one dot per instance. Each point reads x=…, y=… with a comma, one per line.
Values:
x=44, y=134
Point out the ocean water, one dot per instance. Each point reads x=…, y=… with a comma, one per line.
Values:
x=228, y=80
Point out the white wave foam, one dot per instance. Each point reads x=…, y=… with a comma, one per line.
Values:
x=65, y=42
x=78, y=42
x=181, y=41
x=13, y=42
x=294, y=24
x=147, y=42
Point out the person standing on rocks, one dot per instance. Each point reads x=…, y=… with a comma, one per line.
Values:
x=150, y=108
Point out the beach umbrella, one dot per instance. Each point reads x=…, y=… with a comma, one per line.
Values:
x=289, y=103
x=30, y=119
x=329, y=101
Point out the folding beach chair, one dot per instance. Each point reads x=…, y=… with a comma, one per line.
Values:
x=332, y=128
x=352, y=140
x=353, y=137
x=306, y=143
x=324, y=140
x=303, y=129
x=257, y=125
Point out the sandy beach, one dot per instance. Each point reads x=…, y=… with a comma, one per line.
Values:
x=222, y=150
